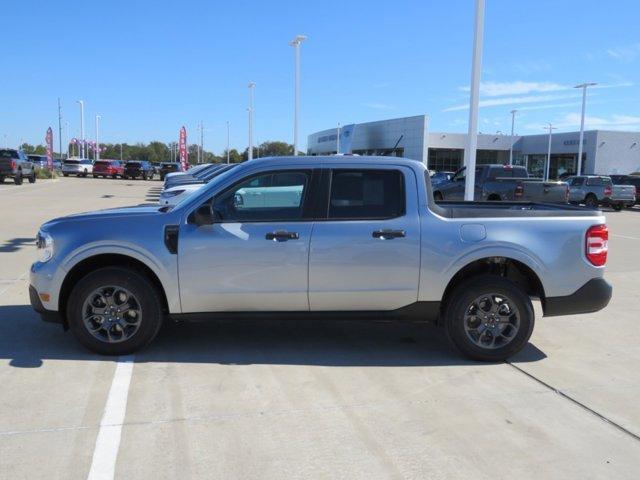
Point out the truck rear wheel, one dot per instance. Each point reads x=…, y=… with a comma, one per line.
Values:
x=489, y=318
x=32, y=177
x=114, y=311
x=18, y=178
x=591, y=201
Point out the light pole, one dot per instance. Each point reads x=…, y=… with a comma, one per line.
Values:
x=338, y=140
x=97, y=152
x=551, y=128
x=583, y=86
x=295, y=43
x=120, y=151
x=81, y=102
x=59, y=128
x=66, y=136
x=513, y=121
x=252, y=87
x=476, y=67
x=228, y=141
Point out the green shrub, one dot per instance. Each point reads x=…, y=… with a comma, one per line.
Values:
x=43, y=173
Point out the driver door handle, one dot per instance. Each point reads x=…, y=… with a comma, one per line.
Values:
x=388, y=234
x=282, y=236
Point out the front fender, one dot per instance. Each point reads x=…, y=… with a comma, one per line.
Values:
x=164, y=268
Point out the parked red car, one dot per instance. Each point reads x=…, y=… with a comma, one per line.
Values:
x=108, y=168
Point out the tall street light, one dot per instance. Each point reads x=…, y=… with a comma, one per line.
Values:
x=476, y=67
x=295, y=43
x=513, y=121
x=81, y=102
x=583, y=86
x=252, y=87
x=338, y=140
x=228, y=128
x=551, y=128
x=97, y=152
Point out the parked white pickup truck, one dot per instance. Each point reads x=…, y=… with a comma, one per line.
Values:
x=331, y=236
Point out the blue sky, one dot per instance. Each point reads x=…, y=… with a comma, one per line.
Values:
x=148, y=67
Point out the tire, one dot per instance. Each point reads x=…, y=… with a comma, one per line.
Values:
x=95, y=176
x=144, y=176
x=125, y=177
x=494, y=198
x=437, y=196
x=18, y=178
x=617, y=207
x=65, y=174
x=143, y=295
x=85, y=173
x=32, y=177
x=591, y=201
x=459, y=322
x=1, y=178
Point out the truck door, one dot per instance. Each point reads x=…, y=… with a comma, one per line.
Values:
x=365, y=252
x=255, y=256
x=576, y=189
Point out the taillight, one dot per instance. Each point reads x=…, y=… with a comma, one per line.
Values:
x=597, y=244
x=13, y=165
x=608, y=191
x=519, y=191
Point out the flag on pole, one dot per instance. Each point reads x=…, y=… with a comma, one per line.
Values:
x=184, y=160
x=49, y=140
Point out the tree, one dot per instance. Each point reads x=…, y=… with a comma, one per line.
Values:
x=30, y=149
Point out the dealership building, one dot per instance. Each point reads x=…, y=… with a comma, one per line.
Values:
x=604, y=152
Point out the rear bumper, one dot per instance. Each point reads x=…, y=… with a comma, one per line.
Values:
x=591, y=297
x=36, y=304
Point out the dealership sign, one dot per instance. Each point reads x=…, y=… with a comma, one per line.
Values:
x=182, y=145
x=49, y=141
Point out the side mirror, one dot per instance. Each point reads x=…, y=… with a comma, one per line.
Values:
x=204, y=215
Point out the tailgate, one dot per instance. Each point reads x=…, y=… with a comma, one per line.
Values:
x=623, y=192
x=5, y=165
x=547, y=192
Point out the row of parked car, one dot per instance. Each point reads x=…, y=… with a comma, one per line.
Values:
x=131, y=169
x=513, y=183
x=17, y=165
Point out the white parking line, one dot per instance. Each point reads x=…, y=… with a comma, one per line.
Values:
x=625, y=236
x=105, y=453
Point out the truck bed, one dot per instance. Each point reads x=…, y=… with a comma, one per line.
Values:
x=449, y=209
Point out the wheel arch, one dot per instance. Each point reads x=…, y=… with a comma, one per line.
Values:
x=515, y=270
x=89, y=264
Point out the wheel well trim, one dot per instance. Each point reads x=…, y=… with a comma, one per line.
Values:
x=167, y=282
x=496, y=251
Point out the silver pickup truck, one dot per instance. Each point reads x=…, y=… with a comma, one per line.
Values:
x=500, y=183
x=357, y=237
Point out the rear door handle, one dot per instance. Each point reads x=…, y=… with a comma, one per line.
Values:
x=282, y=236
x=388, y=234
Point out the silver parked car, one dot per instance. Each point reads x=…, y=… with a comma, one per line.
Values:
x=296, y=236
x=80, y=167
x=596, y=190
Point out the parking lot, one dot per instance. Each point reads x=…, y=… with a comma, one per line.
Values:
x=310, y=399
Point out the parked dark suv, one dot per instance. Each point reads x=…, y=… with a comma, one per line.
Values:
x=169, y=167
x=15, y=164
x=138, y=168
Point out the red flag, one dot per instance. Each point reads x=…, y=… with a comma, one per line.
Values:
x=182, y=145
x=49, y=140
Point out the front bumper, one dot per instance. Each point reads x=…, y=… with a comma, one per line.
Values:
x=36, y=304
x=591, y=297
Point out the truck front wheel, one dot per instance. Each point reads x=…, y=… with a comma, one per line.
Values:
x=114, y=311
x=18, y=178
x=489, y=318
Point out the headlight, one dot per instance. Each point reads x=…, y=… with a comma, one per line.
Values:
x=44, y=244
x=171, y=194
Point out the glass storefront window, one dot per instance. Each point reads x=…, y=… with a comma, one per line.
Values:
x=445, y=159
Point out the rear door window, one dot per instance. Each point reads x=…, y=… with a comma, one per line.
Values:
x=366, y=194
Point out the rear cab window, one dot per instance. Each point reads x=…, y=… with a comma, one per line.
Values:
x=366, y=194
